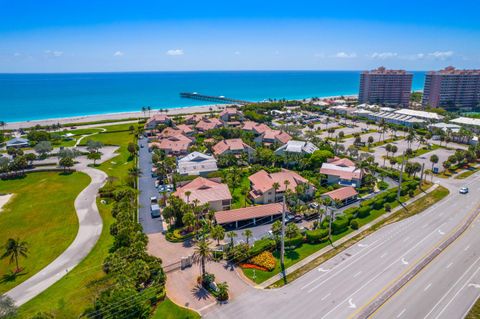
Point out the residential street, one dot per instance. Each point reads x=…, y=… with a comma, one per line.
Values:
x=342, y=285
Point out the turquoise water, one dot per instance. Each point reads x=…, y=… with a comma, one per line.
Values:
x=40, y=96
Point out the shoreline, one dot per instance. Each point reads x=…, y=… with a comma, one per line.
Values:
x=119, y=116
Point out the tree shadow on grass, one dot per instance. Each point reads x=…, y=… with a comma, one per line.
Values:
x=66, y=173
x=292, y=254
x=12, y=276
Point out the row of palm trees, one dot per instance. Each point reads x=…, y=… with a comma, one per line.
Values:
x=149, y=109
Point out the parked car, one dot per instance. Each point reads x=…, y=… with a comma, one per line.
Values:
x=153, y=200
x=155, y=211
x=463, y=190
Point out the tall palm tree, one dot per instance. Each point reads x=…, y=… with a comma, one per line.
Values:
x=187, y=194
x=276, y=186
x=202, y=254
x=15, y=248
x=134, y=173
x=248, y=234
x=231, y=235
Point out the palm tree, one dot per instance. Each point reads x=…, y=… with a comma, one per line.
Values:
x=144, y=109
x=248, y=234
x=202, y=254
x=134, y=173
x=231, y=235
x=276, y=186
x=187, y=194
x=15, y=248
x=222, y=291
x=188, y=219
x=433, y=160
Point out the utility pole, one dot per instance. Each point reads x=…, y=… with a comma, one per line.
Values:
x=330, y=227
x=282, y=245
x=421, y=176
x=401, y=176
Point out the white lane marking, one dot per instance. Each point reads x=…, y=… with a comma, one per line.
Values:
x=404, y=261
x=474, y=285
x=428, y=286
x=449, y=265
x=362, y=245
x=376, y=276
x=341, y=263
x=453, y=286
x=351, y=304
x=466, y=248
x=323, y=270
x=357, y=274
x=326, y=296
x=456, y=294
x=401, y=313
x=441, y=232
x=406, y=238
x=383, y=255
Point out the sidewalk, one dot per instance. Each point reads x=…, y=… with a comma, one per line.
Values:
x=342, y=240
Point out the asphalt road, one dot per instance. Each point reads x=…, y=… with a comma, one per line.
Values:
x=340, y=287
x=147, y=190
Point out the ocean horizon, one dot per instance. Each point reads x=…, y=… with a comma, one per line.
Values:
x=39, y=96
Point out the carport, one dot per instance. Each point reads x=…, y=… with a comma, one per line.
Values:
x=249, y=216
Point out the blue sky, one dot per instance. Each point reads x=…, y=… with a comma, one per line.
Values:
x=104, y=35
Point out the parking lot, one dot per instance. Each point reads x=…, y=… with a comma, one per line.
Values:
x=147, y=190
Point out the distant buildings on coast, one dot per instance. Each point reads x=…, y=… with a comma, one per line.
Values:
x=448, y=88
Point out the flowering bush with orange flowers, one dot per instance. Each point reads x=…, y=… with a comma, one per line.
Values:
x=264, y=260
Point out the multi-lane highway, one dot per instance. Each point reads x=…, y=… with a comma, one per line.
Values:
x=344, y=285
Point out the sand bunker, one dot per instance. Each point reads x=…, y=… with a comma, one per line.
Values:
x=4, y=200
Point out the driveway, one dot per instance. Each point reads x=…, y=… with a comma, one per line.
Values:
x=147, y=188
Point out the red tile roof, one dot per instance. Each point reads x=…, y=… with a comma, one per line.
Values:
x=208, y=124
x=229, y=111
x=263, y=181
x=204, y=190
x=234, y=144
x=258, y=128
x=176, y=143
x=342, y=193
x=229, y=216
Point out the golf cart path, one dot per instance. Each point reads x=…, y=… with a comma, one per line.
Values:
x=89, y=230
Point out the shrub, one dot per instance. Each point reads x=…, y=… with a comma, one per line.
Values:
x=388, y=207
x=378, y=204
x=339, y=225
x=262, y=245
x=354, y=224
x=316, y=236
x=364, y=212
x=294, y=242
x=368, y=202
x=265, y=260
x=411, y=193
x=382, y=185
x=351, y=211
x=391, y=197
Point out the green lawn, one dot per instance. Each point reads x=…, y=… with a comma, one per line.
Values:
x=42, y=213
x=72, y=294
x=169, y=310
x=470, y=171
x=419, y=152
x=237, y=194
x=69, y=297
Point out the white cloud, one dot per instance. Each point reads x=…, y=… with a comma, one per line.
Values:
x=53, y=53
x=441, y=55
x=175, y=52
x=345, y=55
x=383, y=55
x=236, y=52
x=119, y=53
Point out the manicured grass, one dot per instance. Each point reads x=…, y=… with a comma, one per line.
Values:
x=119, y=165
x=467, y=173
x=71, y=295
x=418, y=152
x=291, y=257
x=237, y=194
x=42, y=213
x=474, y=313
x=169, y=310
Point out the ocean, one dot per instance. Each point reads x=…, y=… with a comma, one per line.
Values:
x=26, y=97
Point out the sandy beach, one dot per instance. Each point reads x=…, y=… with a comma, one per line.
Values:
x=113, y=116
